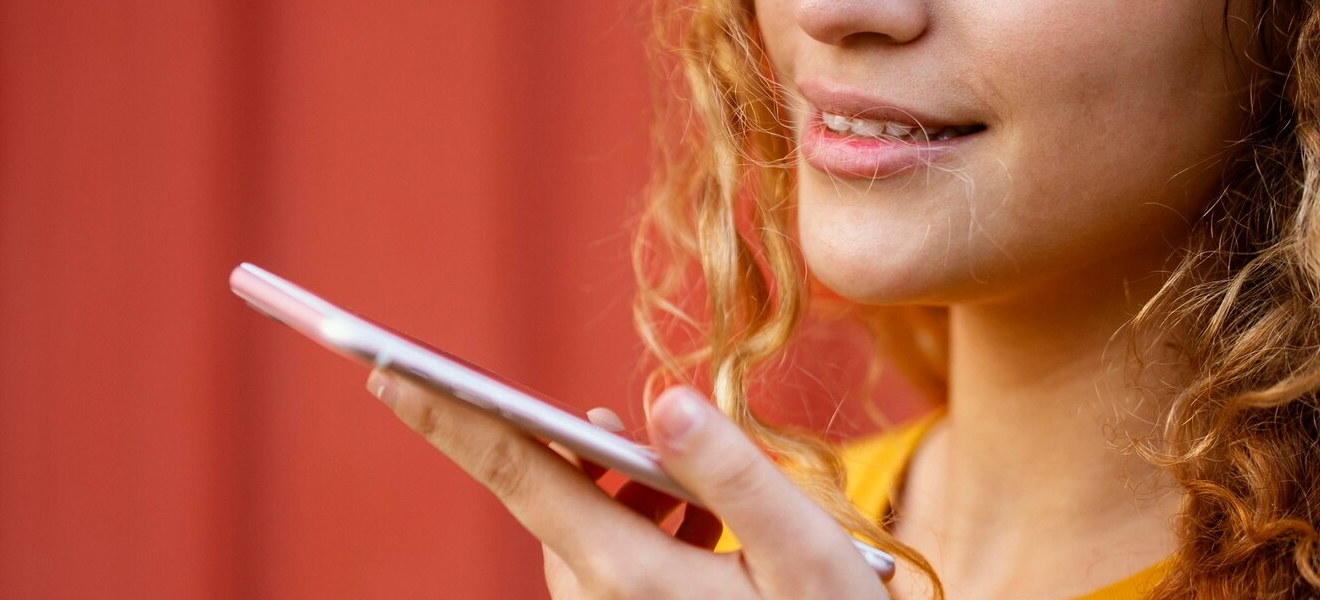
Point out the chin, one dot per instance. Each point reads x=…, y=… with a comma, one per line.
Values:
x=871, y=280
x=886, y=276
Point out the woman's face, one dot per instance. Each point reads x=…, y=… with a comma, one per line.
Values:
x=1076, y=134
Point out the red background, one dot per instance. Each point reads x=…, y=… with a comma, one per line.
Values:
x=465, y=171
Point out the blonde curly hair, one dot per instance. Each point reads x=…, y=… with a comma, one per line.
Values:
x=1242, y=436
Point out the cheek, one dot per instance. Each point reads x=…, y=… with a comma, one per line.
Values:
x=1109, y=140
x=1119, y=144
x=780, y=35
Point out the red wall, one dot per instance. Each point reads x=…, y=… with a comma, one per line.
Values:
x=463, y=170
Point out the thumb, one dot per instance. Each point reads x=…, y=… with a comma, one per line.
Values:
x=708, y=455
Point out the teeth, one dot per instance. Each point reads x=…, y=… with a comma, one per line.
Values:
x=837, y=123
x=896, y=130
x=869, y=128
x=899, y=131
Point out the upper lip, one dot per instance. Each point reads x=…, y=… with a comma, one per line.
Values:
x=858, y=105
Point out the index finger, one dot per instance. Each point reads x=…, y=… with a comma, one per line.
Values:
x=550, y=497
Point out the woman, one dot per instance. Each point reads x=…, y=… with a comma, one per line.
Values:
x=1089, y=227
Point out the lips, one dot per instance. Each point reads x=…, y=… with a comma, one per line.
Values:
x=896, y=130
x=853, y=135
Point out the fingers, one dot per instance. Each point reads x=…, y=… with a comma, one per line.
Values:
x=648, y=503
x=606, y=419
x=652, y=505
x=565, y=510
x=592, y=470
x=699, y=527
x=781, y=530
x=603, y=418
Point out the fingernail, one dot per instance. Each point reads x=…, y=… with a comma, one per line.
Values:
x=381, y=386
x=677, y=413
x=605, y=418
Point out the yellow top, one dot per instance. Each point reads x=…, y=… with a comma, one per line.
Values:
x=875, y=466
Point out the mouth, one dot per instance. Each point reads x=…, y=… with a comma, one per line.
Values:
x=851, y=133
x=895, y=130
x=879, y=146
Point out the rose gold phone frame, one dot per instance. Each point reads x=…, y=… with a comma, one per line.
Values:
x=376, y=345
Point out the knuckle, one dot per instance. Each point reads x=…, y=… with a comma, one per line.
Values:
x=740, y=476
x=502, y=468
x=420, y=414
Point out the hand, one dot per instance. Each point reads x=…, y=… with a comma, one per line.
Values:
x=602, y=547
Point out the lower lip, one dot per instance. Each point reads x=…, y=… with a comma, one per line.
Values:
x=854, y=157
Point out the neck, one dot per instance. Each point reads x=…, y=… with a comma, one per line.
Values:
x=1029, y=466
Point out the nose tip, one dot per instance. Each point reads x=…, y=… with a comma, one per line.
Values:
x=836, y=22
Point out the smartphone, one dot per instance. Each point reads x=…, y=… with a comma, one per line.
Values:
x=376, y=345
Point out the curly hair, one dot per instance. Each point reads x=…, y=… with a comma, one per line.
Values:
x=1242, y=434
